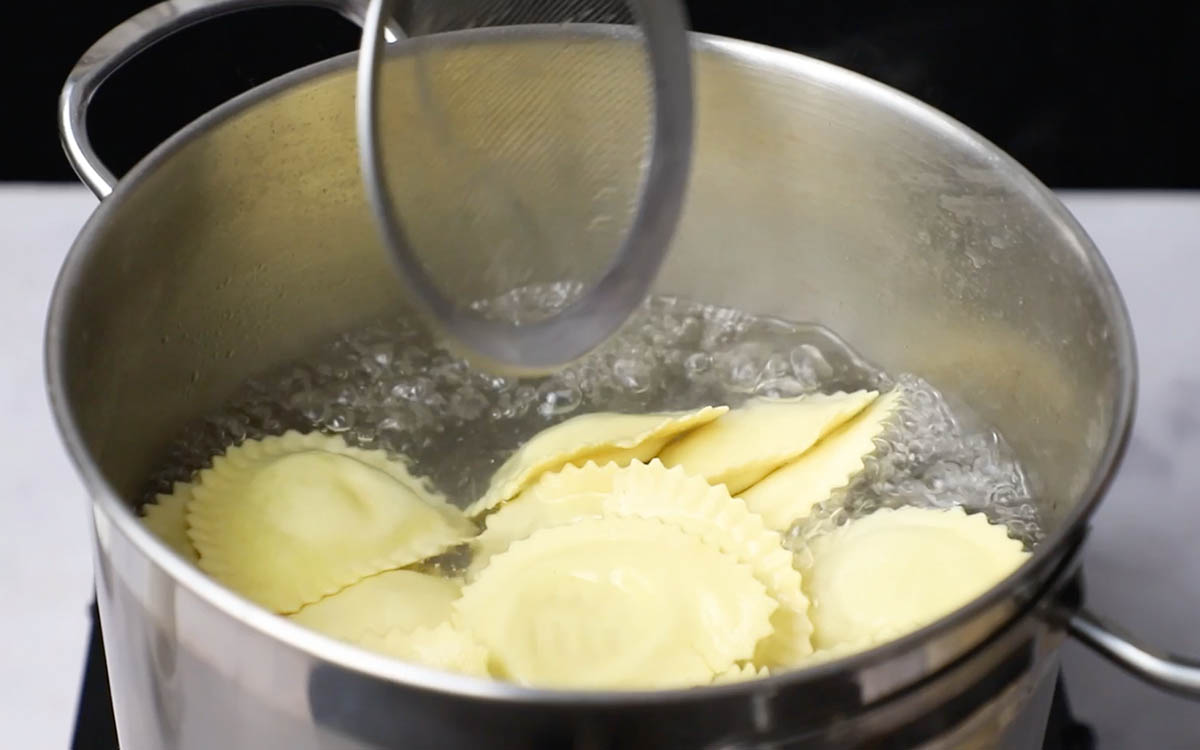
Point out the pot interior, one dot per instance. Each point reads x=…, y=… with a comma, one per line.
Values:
x=815, y=196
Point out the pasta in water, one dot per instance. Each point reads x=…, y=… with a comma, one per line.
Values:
x=286, y=521
x=670, y=495
x=746, y=444
x=840, y=650
x=790, y=492
x=618, y=551
x=566, y=496
x=615, y=603
x=886, y=574
x=709, y=513
x=393, y=600
x=740, y=673
x=601, y=437
x=443, y=646
x=166, y=517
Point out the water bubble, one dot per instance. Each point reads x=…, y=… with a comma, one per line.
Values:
x=392, y=422
x=556, y=399
x=636, y=375
x=809, y=365
x=776, y=367
x=363, y=436
x=467, y=403
x=346, y=395
x=418, y=390
x=449, y=371
x=781, y=388
x=339, y=419
x=696, y=364
x=686, y=331
x=486, y=381
x=421, y=416
x=524, y=397
x=741, y=366
x=656, y=335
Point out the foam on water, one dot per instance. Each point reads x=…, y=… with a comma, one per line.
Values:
x=390, y=386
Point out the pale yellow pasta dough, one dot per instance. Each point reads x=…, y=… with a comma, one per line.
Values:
x=709, y=513
x=842, y=650
x=591, y=477
x=740, y=674
x=789, y=493
x=748, y=443
x=894, y=571
x=379, y=604
x=601, y=437
x=288, y=520
x=166, y=517
x=443, y=646
x=570, y=494
x=615, y=603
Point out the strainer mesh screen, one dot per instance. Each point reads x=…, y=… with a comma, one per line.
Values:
x=515, y=155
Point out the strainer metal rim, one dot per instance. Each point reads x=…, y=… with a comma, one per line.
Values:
x=541, y=346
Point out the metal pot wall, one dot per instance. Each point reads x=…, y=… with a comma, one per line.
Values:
x=816, y=195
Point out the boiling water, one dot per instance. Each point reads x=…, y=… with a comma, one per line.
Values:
x=388, y=385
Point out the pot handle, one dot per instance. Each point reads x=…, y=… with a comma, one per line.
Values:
x=1172, y=673
x=131, y=38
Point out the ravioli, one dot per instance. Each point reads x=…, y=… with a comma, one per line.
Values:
x=740, y=674
x=746, y=444
x=602, y=437
x=288, y=520
x=842, y=650
x=711, y=515
x=615, y=603
x=589, y=478
x=789, y=493
x=442, y=646
x=379, y=604
x=600, y=566
x=562, y=497
x=886, y=574
x=166, y=518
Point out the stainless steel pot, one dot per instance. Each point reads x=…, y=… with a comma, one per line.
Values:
x=816, y=195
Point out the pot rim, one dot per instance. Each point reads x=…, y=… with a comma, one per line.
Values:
x=318, y=646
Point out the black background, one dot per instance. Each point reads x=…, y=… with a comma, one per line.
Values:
x=1086, y=94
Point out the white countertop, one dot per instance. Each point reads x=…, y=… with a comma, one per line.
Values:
x=45, y=547
x=1142, y=562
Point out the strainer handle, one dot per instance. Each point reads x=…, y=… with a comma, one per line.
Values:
x=1175, y=674
x=132, y=37
x=542, y=346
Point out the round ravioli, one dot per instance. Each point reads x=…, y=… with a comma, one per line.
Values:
x=565, y=496
x=166, y=518
x=379, y=604
x=602, y=437
x=288, y=520
x=615, y=603
x=709, y=513
x=442, y=646
x=790, y=492
x=590, y=478
x=886, y=574
x=746, y=444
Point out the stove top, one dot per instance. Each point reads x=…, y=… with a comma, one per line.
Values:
x=96, y=730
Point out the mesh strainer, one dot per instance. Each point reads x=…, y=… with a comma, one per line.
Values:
x=480, y=197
